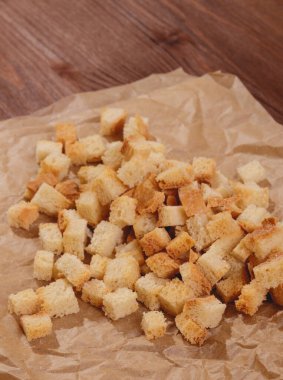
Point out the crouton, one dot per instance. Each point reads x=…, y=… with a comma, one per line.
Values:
x=73, y=270
x=192, y=201
x=206, y=312
x=120, y=303
x=222, y=224
x=171, y=200
x=57, y=164
x=123, y=211
x=175, y=177
x=269, y=273
x=49, y=200
x=241, y=252
x=147, y=288
x=112, y=121
x=112, y=156
x=98, y=266
x=224, y=204
x=94, y=291
x=153, y=324
x=74, y=237
x=209, y=193
x=213, y=267
x=195, y=280
x=222, y=184
x=223, y=246
x=76, y=152
x=251, y=193
x=162, y=265
x=46, y=147
x=252, y=217
x=35, y=183
x=193, y=256
x=22, y=215
x=253, y=171
x=204, y=169
x=173, y=296
x=147, y=196
x=178, y=247
x=252, y=296
x=132, y=246
x=51, y=237
x=136, y=126
x=43, y=265
x=197, y=228
x=135, y=254
x=154, y=241
x=229, y=289
x=88, y=173
x=170, y=216
x=105, y=237
x=277, y=294
x=89, y=208
x=94, y=146
x=191, y=331
x=70, y=189
x=65, y=216
x=144, y=224
x=36, y=326
x=137, y=145
x=23, y=302
x=65, y=132
x=58, y=299
x=121, y=272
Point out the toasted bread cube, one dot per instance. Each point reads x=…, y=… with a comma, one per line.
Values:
x=170, y=216
x=89, y=208
x=204, y=169
x=46, y=147
x=223, y=246
x=154, y=241
x=112, y=156
x=122, y=272
x=222, y=184
x=137, y=255
x=252, y=217
x=209, y=193
x=76, y=272
x=49, y=200
x=94, y=291
x=252, y=296
x=213, y=267
x=197, y=228
x=88, y=173
x=136, y=126
x=206, y=312
x=94, y=146
x=147, y=196
x=74, y=237
x=193, y=256
x=148, y=287
x=229, y=289
x=57, y=164
x=173, y=296
x=192, y=200
x=277, y=294
x=70, y=189
x=195, y=280
x=65, y=217
x=145, y=269
x=105, y=237
x=253, y=171
x=98, y=266
x=22, y=215
x=51, y=237
x=219, y=204
x=175, y=177
x=35, y=183
x=58, y=299
x=250, y=193
x=222, y=224
x=43, y=265
x=24, y=302
x=112, y=121
x=191, y=331
x=270, y=273
x=36, y=326
x=76, y=152
x=144, y=224
x=65, y=132
x=153, y=324
x=241, y=252
x=132, y=249
x=123, y=211
x=120, y=303
x=178, y=247
x=162, y=265
x=137, y=145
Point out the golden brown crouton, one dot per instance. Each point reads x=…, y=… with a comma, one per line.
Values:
x=89, y=208
x=123, y=211
x=76, y=152
x=251, y=193
x=46, y=147
x=191, y=331
x=222, y=224
x=49, y=200
x=74, y=237
x=269, y=273
x=241, y=252
x=34, y=184
x=70, y=189
x=154, y=241
x=170, y=216
x=252, y=217
x=88, y=173
x=230, y=288
x=147, y=196
x=192, y=200
x=252, y=296
x=94, y=291
x=224, y=204
x=112, y=121
x=57, y=164
x=22, y=215
x=195, y=279
x=153, y=324
x=143, y=224
x=277, y=294
x=175, y=177
x=36, y=326
x=213, y=267
x=178, y=247
x=162, y=265
x=112, y=156
x=136, y=126
x=94, y=146
x=148, y=287
x=65, y=132
x=204, y=169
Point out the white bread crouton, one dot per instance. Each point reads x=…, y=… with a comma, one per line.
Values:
x=241, y=252
x=148, y=197
x=206, y=312
x=250, y=193
x=208, y=192
x=137, y=145
x=70, y=189
x=133, y=252
x=112, y=121
x=43, y=265
x=147, y=288
x=176, y=176
x=219, y=204
x=24, y=302
x=46, y=147
x=51, y=237
x=105, y=237
x=89, y=208
x=154, y=241
x=57, y=164
x=144, y=224
x=94, y=146
x=173, y=296
x=153, y=324
x=98, y=266
x=94, y=291
x=252, y=217
x=213, y=267
x=222, y=184
x=88, y=173
x=192, y=200
x=36, y=326
x=136, y=126
x=49, y=200
x=74, y=237
x=191, y=331
x=162, y=265
x=195, y=280
x=65, y=132
x=34, y=184
x=277, y=294
x=223, y=246
x=22, y=215
x=193, y=256
x=230, y=288
x=204, y=169
x=252, y=296
x=170, y=216
x=76, y=153
x=73, y=270
x=65, y=217
x=197, y=228
x=120, y=303
x=270, y=273
x=112, y=156
x=121, y=272
x=58, y=299
x=222, y=224
x=123, y=211
x=253, y=171
x=178, y=247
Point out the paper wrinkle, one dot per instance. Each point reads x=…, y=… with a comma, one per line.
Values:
x=213, y=115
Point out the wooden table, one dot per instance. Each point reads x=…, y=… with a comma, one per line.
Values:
x=52, y=48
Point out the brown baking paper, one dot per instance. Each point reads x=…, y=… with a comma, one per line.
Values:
x=213, y=115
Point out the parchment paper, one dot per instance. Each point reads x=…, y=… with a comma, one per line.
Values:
x=213, y=115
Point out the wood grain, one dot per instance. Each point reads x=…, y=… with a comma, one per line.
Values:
x=52, y=48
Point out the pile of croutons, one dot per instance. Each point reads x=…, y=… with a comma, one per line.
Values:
x=132, y=225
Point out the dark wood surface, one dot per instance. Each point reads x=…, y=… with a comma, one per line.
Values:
x=52, y=48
